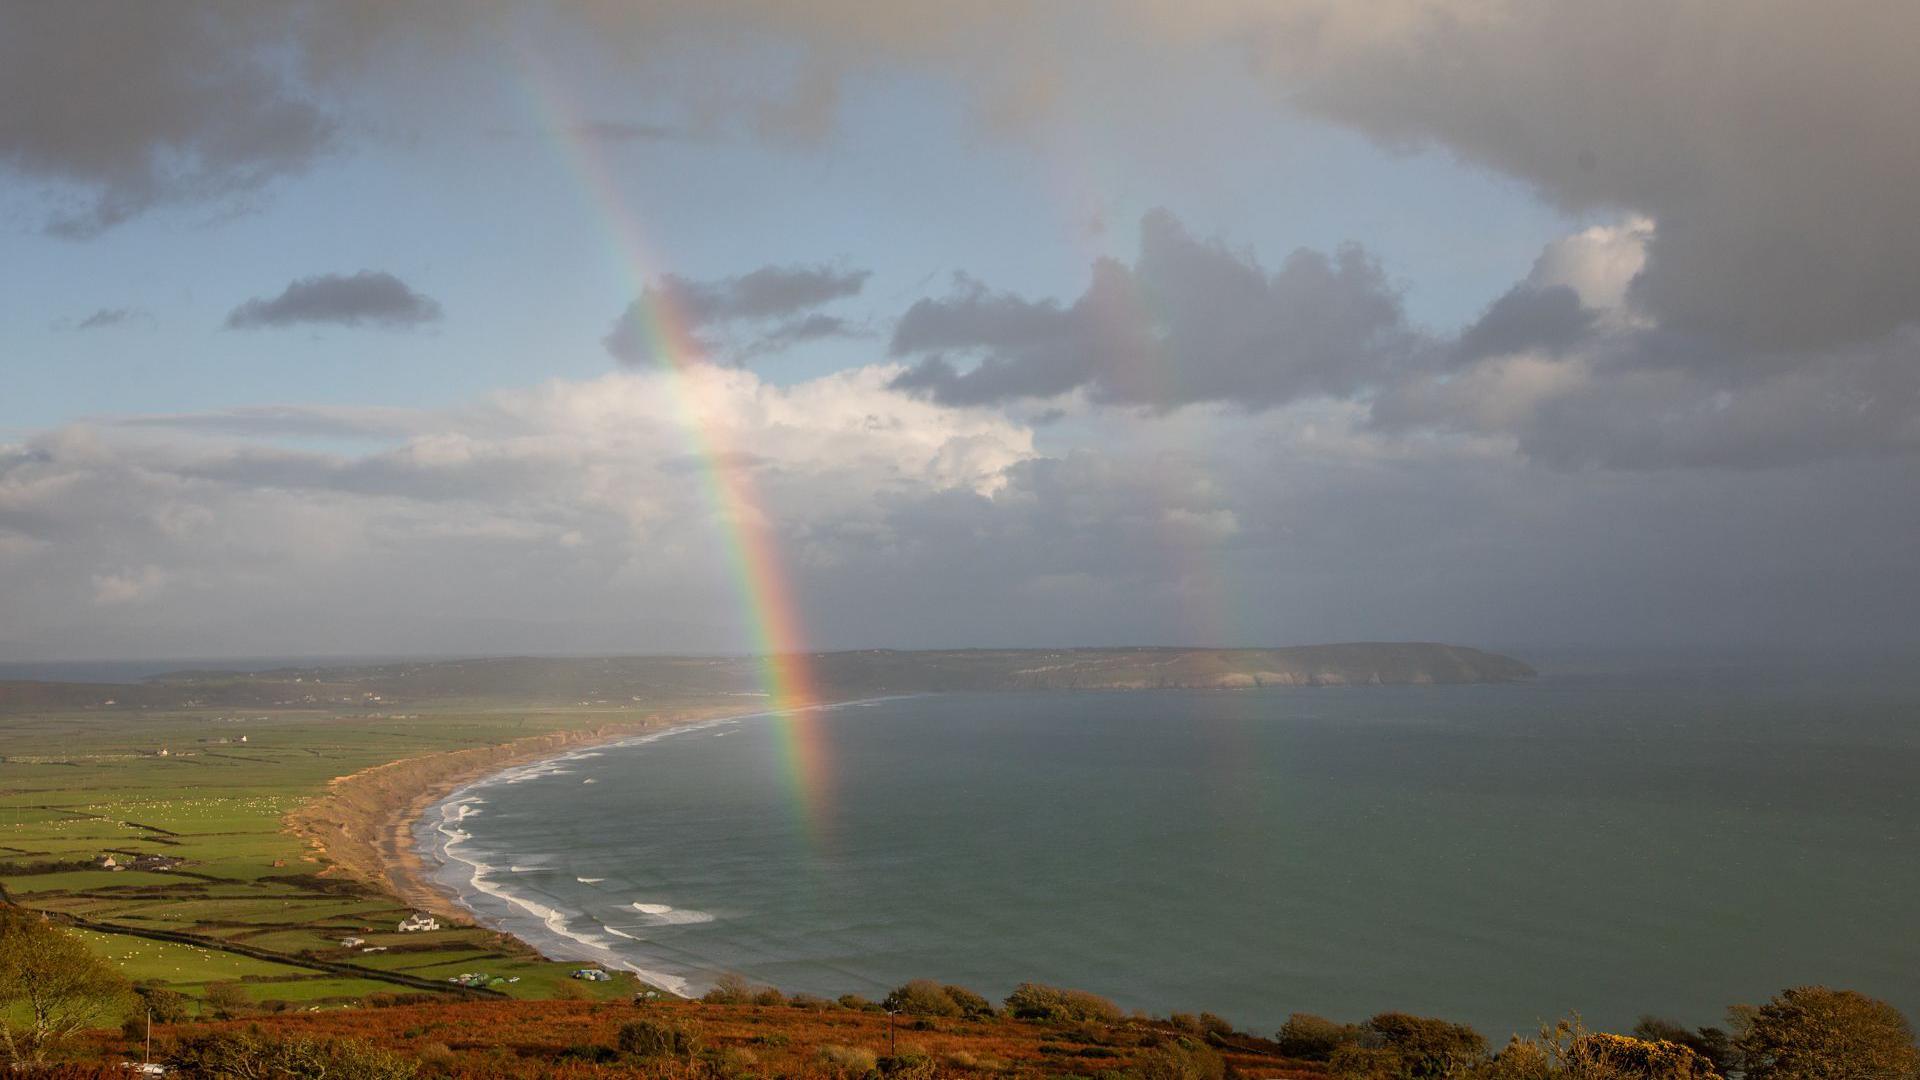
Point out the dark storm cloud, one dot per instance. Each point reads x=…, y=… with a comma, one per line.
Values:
x=762, y=311
x=1527, y=317
x=1776, y=144
x=127, y=106
x=1190, y=321
x=368, y=297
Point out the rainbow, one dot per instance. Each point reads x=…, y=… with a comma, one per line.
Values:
x=751, y=543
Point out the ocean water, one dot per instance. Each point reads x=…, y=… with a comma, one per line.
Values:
x=1611, y=842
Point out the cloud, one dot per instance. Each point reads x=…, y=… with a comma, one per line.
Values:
x=1573, y=374
x=759, y=312
x=368, y=297
x=1191, y=321
x=1527, y=317
x=568, y=516
x=1783, y=172
x=105, y=318
x=126, y=107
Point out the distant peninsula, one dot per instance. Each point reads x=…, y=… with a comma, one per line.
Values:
x=616, y=681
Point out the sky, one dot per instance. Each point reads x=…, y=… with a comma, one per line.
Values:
x=573, y=327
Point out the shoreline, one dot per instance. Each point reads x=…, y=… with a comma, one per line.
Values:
x=362, y=825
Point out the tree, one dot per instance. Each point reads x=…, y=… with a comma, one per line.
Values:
x=51, y=987
x=1814, y=1033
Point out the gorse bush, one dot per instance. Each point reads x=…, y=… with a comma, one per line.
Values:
x=1034, y=1001
x=247, y=1055
x=849, y=1060
x=729, y=990
x=922, y=997
x=1600, y=1056
x=1314, y=1038
x=1183, y=1059
x=972, y=1005
x=649, y=1038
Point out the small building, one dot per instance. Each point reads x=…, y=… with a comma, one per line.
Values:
x=417, y=922
x=591, y=975
x=352, y=942
x=106, y=862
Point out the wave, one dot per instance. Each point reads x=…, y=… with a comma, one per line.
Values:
x=589, y=880
x=668, y=915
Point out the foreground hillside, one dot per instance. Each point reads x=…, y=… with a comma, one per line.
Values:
x=664, y=681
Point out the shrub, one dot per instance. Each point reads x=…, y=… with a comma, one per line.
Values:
x=733, y=1061
x=1520, y=1059
x=1622, y=1057
x=167, y=1006
x=855, y=1001
x=1214, y=1025
x=849, y=1060
x=1314, y=1038
x=812, y=1002
x=972, y=1005
x=1183, y=1059
x=1429, y=1048
x=1709, y=1042
x=911, y=1063
x=223, y=1054
x=729, y=990
x=228, y=999
x=650, y=1038
x=590, y=1052
x=922, y=997
x=1814, y=1033
x=1033, y=1001
x=769, y=996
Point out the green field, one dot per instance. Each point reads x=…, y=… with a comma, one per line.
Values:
x=76, y=785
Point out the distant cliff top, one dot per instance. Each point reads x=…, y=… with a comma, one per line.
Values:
x=664, y=680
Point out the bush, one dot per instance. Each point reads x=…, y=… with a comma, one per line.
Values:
x=658, y=1039
x=849, y=1060
x=855, y=1001
x=1183, y=1059
x=922, y=997
x=812, y=1002
x=1814, y=1033
x=769, y=996
x=1709, y=1042
x=1033, y=1001
x=228, y=999
x=972, y=1005
x=166, y=1006
x=1429, y=1048
x=1314, y=1038
x=1622, y=1057
x=911, y=1063
x=223, y=1054
x=729, y=990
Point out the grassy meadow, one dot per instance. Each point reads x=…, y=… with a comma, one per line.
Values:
x=248, y=903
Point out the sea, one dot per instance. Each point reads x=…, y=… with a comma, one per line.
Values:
x=1614, y=838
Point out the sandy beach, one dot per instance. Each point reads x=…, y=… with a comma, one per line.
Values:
x=362, y=826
